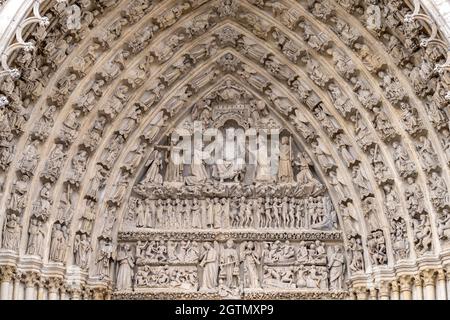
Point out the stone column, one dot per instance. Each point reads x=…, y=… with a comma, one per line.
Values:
x=384, y=291
x=30, y=286
x=373, y=294
x=76, y=294
x=87, y=294
x=53, y=288
x=418, y=291
x=41, y=291
x=53, y=293
x=395, y=290
x=441, y=290
x=447, y=274
x=63, y=293
x=429, y=290
x=405, y=288
x=6, y=277
x=18, y=290
x=361, y=293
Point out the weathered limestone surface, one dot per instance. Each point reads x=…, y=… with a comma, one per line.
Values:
x=351, y=203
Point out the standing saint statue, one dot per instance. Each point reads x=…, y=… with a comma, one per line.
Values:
x=229, y=265
x=126, y=265
x=218, y=211
x=251, y=260
x=336, y=266
x=285, y=173
x=209, y=263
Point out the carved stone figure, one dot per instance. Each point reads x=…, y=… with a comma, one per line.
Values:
x=361, y=181
x=125, y=269
x=209, y=261
x=427, y=153
x=229, y=265
x=58, y=245
x=30, y=159
x=439, y=192
x=336, y=266
x=18, y=195
x=422, y=234
x=53, y=165
x=11, y=232
x=402, y=161
x=36, y=236
x=41, y=207
x=81, y=250
x=285, y=173
x=45, y=123
x=78, y=168
x=356, y=253
x=251, y=261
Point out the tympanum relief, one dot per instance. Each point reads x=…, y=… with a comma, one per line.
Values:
x=261, y=184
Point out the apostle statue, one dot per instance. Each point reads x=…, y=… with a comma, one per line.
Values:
x=285, y=173
x=81, y=250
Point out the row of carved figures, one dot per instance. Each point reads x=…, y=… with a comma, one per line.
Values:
x=188, y=252
x=228, y=267
x=218, y=213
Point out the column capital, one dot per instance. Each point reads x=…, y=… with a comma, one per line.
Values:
x=405, y=282
x=418, y=281
x=447, y=272
x=440, y=275
x=384, y=288
x=428, y=276
x=87, y=293
x=373, y=293
x=30, y=279
x=395, y=286
x=99, y=293
x=7, y=273
x=53, y=284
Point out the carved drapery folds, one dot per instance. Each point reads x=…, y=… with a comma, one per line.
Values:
x=88, y=184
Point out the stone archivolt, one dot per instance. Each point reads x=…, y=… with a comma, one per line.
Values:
x=349, y=82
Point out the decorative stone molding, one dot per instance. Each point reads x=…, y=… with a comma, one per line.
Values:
x=86, y=130
x=20, y=42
